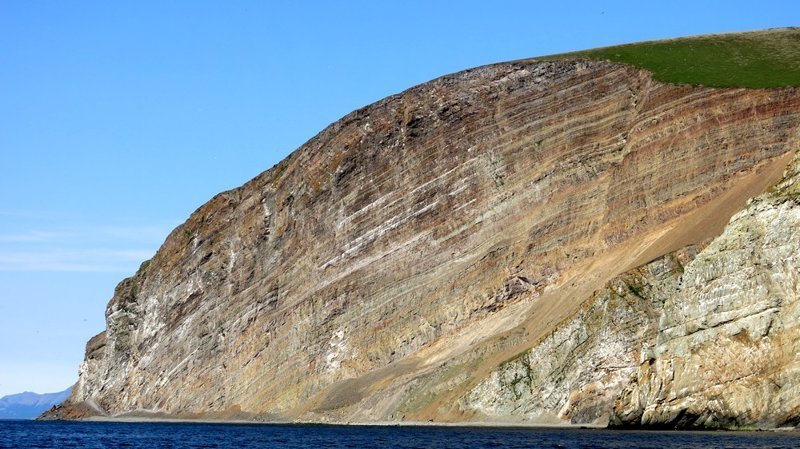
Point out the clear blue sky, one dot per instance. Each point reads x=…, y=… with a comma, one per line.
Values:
x=118, y=119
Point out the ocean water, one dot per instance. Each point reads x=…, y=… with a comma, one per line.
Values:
x=32, y=434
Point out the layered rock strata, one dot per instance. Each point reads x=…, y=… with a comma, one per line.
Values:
x=392, y=263
x=576, y=373
x=727, y=354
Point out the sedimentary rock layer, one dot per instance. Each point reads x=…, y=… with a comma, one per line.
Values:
x=390, y=264
x=577, y=372
x=728, y=344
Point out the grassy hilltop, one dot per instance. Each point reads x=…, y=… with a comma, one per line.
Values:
x=758, y=59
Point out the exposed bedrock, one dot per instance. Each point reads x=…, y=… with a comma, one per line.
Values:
x=577, y=372
x=387, y=267
x=690, y=340
x=727, y=353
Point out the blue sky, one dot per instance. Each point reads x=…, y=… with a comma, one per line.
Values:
x=118, y=119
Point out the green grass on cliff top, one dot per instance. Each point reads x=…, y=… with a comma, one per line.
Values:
x=758, y=59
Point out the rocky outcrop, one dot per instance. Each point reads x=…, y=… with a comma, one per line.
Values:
x=392, y=263
x=691, y=340
x=576, y=373
x=728, y=345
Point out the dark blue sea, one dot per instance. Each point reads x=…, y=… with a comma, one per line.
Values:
x=33, y=434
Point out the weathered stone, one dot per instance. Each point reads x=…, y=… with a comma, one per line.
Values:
x=576, y=373
x=394, y=261
x=728, y=347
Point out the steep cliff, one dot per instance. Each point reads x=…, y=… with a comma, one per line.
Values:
x=577, y=372
x=390, y=265
x=693, y=339
x=727, y=352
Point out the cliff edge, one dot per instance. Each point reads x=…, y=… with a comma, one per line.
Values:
x=496, y=244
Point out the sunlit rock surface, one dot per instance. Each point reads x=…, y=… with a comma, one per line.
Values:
x=389, y=266
x=576, y=373
x=728, y=346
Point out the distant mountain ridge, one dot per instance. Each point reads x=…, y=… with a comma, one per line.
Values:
x=29, y=405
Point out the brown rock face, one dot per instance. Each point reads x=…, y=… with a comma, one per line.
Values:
x=727, y=351
x=391, y=263
x=577, y=372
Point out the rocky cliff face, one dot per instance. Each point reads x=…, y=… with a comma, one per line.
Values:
x=577, y=372
x=690, y=340
x=728, y=344
x=389, y=266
